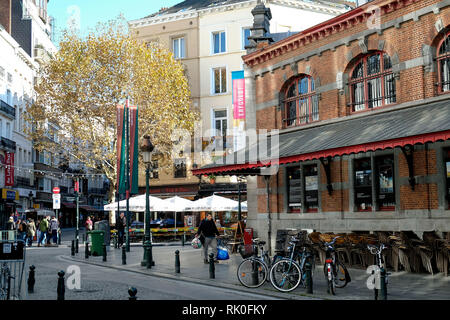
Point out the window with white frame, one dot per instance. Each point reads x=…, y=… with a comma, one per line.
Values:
x=218, y=42
x=220, y=122
x=245, y=34
x=219, y=80
x=178, y=48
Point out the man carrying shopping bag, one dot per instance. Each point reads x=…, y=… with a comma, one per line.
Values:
x=209, y=230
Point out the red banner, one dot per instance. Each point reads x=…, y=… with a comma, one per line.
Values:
x=9, y=171
x=120, y=132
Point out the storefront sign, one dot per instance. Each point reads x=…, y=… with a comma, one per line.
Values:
x=10, y=194
x=9, y=171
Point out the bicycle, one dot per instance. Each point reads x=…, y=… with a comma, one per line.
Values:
x=5, y=282
x=381, y=270
x=287, y=274
x=336, y=273
x=252, y=271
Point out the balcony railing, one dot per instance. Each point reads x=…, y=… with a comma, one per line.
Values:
x=7, y=144
x=7, y=109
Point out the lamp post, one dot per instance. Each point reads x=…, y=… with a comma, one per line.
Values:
x=30, y=198
x=147, y=149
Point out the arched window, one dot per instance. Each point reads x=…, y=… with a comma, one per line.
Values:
x=301, y=104
x=443, y=59
x=372, y=82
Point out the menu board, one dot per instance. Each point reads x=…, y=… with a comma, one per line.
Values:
x=311, y=183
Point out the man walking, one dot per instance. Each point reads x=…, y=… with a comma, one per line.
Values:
x=121, y=223
x=43, y=227
x=209, y=230
x=54, y=228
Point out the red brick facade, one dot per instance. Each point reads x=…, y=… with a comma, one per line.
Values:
x=324, y=52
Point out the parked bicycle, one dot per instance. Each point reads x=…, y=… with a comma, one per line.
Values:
x=336, y=273
x=5, y=282
x=381, y=286
x=253, y=271
x=289, y=272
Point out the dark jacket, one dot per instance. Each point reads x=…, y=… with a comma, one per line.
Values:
x=121, y=223
x=208, y=228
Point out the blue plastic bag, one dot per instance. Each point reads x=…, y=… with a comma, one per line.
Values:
x=222, y=253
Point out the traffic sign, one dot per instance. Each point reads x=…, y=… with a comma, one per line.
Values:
x=56, y=190
x=56, y=201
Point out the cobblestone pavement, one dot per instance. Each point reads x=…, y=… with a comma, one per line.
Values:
x=402, y=285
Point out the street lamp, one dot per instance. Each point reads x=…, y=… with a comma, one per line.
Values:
x=147, y=149
x=30, y=198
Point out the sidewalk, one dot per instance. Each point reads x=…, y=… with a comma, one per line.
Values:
x=402, y=285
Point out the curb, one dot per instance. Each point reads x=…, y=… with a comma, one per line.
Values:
x=274, y=294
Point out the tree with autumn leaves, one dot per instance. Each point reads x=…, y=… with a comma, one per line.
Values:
x=79, y=89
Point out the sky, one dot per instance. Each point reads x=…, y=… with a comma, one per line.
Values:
x=87, y=13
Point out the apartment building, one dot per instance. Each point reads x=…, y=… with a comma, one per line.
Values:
x=209, y=38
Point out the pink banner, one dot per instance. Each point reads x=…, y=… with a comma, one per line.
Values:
x=9, y=171
x=239, y=99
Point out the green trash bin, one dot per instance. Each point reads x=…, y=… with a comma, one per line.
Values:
x=97, y=239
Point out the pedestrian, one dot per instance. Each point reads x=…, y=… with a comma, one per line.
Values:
x=22, y=229
x=43, y=227
x=121, y=223
x=38, y=231
x=88, y=224
x=31, y=232
x=54, y=225
x=10, y=225
x=49, y=230
x=209, y=230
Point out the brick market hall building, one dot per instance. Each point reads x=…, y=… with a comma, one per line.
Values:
x=362, y=105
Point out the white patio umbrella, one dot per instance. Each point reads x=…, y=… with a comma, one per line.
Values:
x=213, y=203
x=243, y=206
x=136, y=204
x=175, y=204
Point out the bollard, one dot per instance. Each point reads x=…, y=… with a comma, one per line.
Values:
x=177, y=261
x=72, y=249
x=211, y=266
x=308, y=278
x=61, y=287
x=383, y=286
x=183, y=239
x=149, y=261
x=104, y=252
x=59, y=237
x=31, y=279
x=84, y=238
x=132, y=292
x=254, y=273
x=124, y=255
x=76, y=246
x=150, y=255
x=86, y=251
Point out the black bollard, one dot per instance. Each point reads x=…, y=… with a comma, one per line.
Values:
x=59, y=237
x=72, y=249
x=177, y=261
x=383, y=285
x=86, y=251
x=124, y=255
x=104, y=252
x=76, y=245
x=183, y=239
x=132, y=292
x=150, y=255
x=61, y=287
x=149, y=261
x=31, y=279
x=254, y=273
x=309, y=279
x=211, y=266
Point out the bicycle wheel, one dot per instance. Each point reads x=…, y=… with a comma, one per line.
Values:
x=285, y=275
x=252, y=273
x=340, y=279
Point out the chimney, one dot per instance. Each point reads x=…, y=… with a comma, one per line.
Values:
x=261, y=27
x=5, y=15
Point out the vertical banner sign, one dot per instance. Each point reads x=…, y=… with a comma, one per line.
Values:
x=9, y=170
x=134, y=138
x=121, y=149
x=238, y=110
